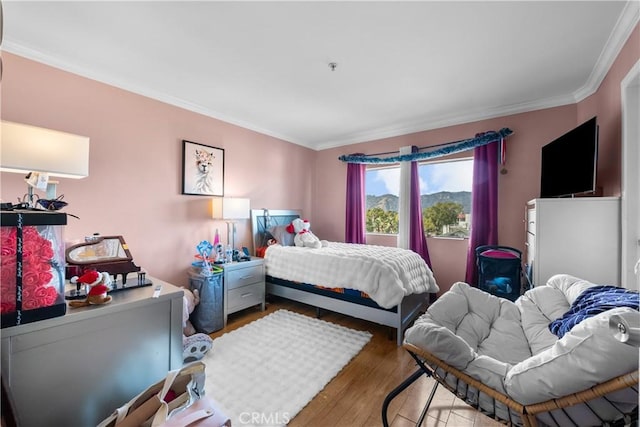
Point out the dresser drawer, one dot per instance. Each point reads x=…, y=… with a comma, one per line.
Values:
x=244, y=276
x=531, y=221
x=531, y=247
x=245, y=296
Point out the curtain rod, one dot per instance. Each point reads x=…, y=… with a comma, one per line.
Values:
x=419, y=148
x=445, y=149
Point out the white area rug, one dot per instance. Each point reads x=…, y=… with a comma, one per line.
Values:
x=264, y=373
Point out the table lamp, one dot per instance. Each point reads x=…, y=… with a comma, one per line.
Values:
x=41, y=153
x=230, y=209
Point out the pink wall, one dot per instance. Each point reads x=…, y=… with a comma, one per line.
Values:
x=606, y=104
x=134, y=182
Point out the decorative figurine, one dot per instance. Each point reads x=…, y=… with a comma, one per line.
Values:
x=98, y=287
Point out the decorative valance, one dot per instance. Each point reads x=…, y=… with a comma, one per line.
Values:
x=434, y=150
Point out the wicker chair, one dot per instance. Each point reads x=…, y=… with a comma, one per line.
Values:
x=612, y=402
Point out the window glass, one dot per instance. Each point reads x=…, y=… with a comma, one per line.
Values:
x=445, y=189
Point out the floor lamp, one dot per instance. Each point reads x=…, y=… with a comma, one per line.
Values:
x=230, y=209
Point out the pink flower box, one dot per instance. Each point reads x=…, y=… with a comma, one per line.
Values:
x=32, y=265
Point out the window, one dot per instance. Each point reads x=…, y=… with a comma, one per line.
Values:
x=445, y=188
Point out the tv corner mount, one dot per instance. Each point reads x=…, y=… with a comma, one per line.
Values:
x=105, y=254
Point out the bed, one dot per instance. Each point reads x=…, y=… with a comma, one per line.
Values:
x=391, y=290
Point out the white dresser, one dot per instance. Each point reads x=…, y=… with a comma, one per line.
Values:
x=244, y=285
x=579, y=236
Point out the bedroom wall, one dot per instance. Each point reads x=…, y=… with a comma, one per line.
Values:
x=606, y=103
x=532, y=130
x=134, y=182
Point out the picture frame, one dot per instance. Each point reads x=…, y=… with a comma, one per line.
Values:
x=202, y=169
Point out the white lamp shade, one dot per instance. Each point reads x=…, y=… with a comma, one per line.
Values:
x=230, y=208
x=27, y=148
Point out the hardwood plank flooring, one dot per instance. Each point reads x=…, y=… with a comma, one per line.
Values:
x=355, y=396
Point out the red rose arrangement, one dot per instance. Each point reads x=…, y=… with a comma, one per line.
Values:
x=37, y=254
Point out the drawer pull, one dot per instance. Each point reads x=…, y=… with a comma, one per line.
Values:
x=247, y=277
x=248, y=294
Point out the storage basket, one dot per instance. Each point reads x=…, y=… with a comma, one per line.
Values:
x=208, y=315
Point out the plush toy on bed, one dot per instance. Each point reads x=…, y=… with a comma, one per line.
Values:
x=304, y=237
x=194, y=345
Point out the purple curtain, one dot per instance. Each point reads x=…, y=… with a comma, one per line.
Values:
x=484, y=205
x=417, y=239
x=355, y=227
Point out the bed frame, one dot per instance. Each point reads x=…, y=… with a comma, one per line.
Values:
x=399, y=317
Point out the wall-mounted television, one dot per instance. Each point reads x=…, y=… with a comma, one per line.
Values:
x=569, y=163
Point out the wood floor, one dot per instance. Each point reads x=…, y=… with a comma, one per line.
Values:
x=354, y=397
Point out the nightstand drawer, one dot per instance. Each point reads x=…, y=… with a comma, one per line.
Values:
x=245, y=296
x=243, y=285
x=244, y=276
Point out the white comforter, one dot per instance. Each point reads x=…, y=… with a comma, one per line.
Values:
x=386, y=274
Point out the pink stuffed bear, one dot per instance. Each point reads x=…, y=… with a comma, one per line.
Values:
x=304, y=237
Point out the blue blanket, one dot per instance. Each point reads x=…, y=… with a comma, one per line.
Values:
x=593, y=301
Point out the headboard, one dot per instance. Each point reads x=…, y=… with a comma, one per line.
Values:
x=263, y=219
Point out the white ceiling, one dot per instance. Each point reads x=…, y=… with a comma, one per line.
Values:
x=402, y=67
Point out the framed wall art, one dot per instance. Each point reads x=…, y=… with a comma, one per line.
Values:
x=202, y=169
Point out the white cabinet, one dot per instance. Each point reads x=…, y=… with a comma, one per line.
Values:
x=579, y=236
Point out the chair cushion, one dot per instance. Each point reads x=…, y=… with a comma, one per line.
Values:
x=473, y=331
x=508, y=346
x=543, y=304
x=586, y=356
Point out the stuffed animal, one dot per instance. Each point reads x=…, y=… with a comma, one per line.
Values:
x=304, y=237
x=189, y=302
x=194, y=345
x=99, y=285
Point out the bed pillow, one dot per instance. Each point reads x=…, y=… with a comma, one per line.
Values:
x=282, y=236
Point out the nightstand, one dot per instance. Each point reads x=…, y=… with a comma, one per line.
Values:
x=243, y=284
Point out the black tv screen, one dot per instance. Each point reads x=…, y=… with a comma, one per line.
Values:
x=569, y=162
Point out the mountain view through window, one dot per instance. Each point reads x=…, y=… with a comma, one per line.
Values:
x=445, y=189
